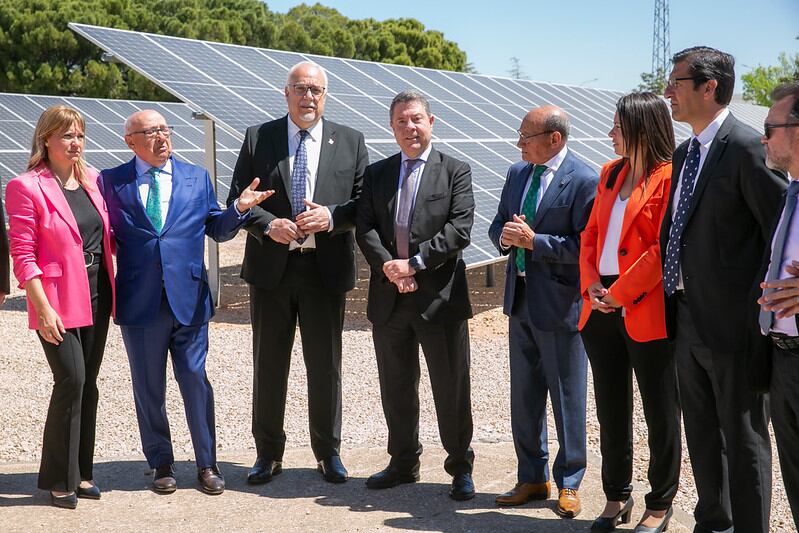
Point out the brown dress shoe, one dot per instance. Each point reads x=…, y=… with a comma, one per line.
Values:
x=523, y=493
x=211, y=480
x=568, y=503
x=164, y=480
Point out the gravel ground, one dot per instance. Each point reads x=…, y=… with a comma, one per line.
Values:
x=25, y=383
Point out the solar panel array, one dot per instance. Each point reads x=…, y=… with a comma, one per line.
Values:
x=476, y=116
x=104, y=126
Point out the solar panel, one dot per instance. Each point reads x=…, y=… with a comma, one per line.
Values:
x=476, y=116
x=105, y=121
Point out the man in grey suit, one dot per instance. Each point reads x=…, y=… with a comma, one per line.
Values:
x=414, y=219
x=544, y=206
x=299, y=262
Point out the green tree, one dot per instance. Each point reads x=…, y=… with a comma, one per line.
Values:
x=40, y=54
x=653, y=82
x=760, y=81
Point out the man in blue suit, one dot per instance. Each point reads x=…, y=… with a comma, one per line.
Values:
x=160, y=210
x=544, y=206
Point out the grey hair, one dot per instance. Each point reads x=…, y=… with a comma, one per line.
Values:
x=301, y=64
x=558, y=121
x=407, y=96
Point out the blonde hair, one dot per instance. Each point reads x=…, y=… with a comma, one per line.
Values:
x=57, y=119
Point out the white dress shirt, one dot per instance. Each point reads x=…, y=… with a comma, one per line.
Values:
x=313, y=147
x=609, y=260
x=790, y=253
x=705, y=138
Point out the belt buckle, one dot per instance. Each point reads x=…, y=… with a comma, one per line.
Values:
x=90, y=261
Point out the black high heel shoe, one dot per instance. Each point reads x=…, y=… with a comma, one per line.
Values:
x=664, y=525
x=609, y=523
x=67, y=501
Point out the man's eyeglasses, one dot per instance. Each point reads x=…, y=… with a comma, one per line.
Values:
x=673, y=83
x=768, y=127
x=524, y=138
x=300, y=89
x=150, y=133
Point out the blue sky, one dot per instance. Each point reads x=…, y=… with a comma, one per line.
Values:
x=595, y=43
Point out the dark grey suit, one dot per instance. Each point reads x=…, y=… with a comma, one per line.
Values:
x=546, y=352
x=434, y=315
x=286, y=285
x=714, y=325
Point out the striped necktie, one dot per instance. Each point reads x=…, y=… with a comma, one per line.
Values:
x=153, y=207
x=529, y=207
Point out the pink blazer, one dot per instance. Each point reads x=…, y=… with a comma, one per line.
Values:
x=45, y=241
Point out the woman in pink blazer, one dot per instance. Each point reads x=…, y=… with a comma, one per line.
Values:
x=61, y=249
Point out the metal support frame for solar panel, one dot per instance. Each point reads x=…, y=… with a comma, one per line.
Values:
x=476, y=116
x=105, y=147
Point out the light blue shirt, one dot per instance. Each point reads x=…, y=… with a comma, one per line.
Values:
x=144, y=180
x=417, y=171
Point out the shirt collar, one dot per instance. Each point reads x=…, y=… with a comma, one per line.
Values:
x=315, y=131
x=142, y=167
x=707, y=135
x=422, y=157
x=554, y=163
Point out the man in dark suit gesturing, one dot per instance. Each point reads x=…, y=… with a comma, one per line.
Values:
x=299, y=262
x=415, y=216
x=715, y=231
x=545, y=204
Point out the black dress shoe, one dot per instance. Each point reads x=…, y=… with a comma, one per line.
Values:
x=164, y=480
x=333, y=470
x=609, y=523
x=68, y=501
x=211, y=480
x=263, y=470
x=462, y=487
x=92, y=493
x=393, y=476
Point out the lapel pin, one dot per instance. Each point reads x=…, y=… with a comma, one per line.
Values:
x=330, y=140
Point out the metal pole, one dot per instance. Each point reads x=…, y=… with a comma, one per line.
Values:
x=214, y=282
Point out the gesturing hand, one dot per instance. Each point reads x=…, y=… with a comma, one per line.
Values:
x=249, y=197
x=315, y=219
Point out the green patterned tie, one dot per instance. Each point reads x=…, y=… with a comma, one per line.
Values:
x=153, y=208
x=528, y=208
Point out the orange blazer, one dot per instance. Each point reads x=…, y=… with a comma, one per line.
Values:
x=639, y=288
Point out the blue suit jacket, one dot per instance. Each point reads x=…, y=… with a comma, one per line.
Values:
x=172, y=261
x=552, y=267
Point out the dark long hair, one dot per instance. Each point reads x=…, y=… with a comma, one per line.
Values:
x=646, y=128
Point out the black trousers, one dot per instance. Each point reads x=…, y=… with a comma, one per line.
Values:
x=614, y=358
x=446, y=351
x=785, y=419
x=69, y=431
x=274, y=314
x=726, y=428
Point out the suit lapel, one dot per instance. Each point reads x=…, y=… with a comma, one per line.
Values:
x=327, y=154
x=717, y=148
x=51, y=189
x=558, y=184
x=280, y=146
x=517, y=191
x=427, y=186
x=676, y=167
x=639, y=198
x=182, y=191
x=391, y=185
x=127, y=190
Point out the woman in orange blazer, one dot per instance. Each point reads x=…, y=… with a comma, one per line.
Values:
x=60, y=244
x=622, y=321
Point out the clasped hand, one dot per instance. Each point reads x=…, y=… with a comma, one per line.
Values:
x=400, y=273
x=314, y=220
x=517, y=233
x=784, y=300
x=601, y=299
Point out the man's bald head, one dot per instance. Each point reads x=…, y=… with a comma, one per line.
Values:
x=543, y=133
x=148, y=135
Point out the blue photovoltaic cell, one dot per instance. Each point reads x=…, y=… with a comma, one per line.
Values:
x=476, y=116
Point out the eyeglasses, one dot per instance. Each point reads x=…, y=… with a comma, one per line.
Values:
x=768, y=127
x=673, y=83
x=524, y=138
x=301, y=89
x=150, y=133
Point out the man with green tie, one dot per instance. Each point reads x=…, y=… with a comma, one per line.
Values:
x=544, y=206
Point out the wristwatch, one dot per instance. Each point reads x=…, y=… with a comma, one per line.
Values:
x=268, y=228
x=414, y=263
